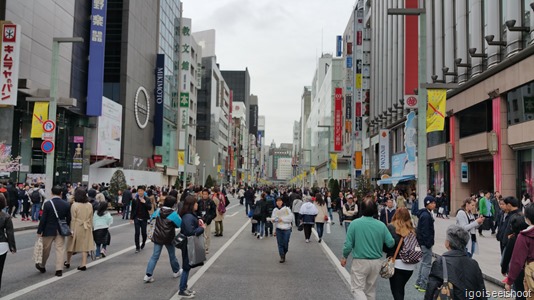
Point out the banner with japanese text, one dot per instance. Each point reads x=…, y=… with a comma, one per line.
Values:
x=9, y=63
x=95, y=72
x=435, y=114
x=338, y=119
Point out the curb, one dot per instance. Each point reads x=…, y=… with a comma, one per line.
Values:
x=485, y=276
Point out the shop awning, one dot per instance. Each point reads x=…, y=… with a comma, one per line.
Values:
x=395, y=180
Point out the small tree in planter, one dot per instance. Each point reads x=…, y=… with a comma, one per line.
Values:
x=209, y=182
x=117, y=183
x=363, y=186
x=333, y=187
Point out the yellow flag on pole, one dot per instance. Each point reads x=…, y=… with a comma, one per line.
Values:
x=435, y=114
x=312, y=170
x=40, y=114
x=333, y=161
x=181, y=158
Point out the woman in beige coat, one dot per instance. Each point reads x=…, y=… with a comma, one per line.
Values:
x=81, y=226
x=322, y=215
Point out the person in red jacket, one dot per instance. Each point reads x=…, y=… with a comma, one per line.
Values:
x=523, y=256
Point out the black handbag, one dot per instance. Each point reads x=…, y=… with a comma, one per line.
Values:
x=63, y=227
x=180, y=241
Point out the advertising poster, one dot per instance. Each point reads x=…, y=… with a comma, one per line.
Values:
x=338, y=125
x=109, y=130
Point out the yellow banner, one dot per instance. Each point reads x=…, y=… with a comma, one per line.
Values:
x=358, y=81
x=333, y=161
x=312, y=170
x=218, y=168
x=233, y=173
x=242, y=176
x=40, y=114
x=249, y=177
x=304, y=174
x=181, y=158
x=435, y=114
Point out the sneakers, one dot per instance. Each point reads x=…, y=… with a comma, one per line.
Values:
x=191, y=292
x=177, y=274
x=320, y=240
x=103, y=253
x=186, y=294
x=307, y=241
x=261, y=237
x=148, y=279
x=137, y=250
x=419, y=288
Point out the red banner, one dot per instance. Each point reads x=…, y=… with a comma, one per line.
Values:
x=338, y=116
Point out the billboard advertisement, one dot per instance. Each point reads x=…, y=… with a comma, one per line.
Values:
x=109, y=130
x=95, y=73
x=253, y=127
x=9, y=63
x=158, y=93
x=338, y=117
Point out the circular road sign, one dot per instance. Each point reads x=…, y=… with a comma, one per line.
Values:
x=49, y=126
x=411, y=101
x=47, y=146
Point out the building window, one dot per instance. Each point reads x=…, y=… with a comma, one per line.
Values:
x=476, y=119
x=525, y=180
x=439, y=137
x=520, y=104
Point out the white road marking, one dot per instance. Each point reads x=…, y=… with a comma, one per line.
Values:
x=66, y=274
x=232, y=214
x=343, y=273
x=193, y=279
x=232, y=206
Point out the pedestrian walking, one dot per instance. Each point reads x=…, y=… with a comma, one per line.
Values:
x=48, y=229
x=36, y=195
x=24, y=195
x=349, y=211
x=401, y=227
x=207, y=211
x=282, y=218
x=82, y=240
x=260, y=215
x=141, y=205
x=330, y=206
x=102, y=220
x=463, y=272
x=7, y=236
x=425, y=238
x=307, y=212
x=340, y=204
x=466, y=220
x=500, y=223
x=220, y=203
x=191, y=226
x=322, y=215
x=366, y=249
x=167, y=220
x=297, y=204
x=126, y=202
x=486, y=209
x=386, y=214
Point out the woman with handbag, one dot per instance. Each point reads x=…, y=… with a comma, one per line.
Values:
x=167, y=220
x=322, y=215
x=191, y=226
x=400, y=227
x=7, y=235
x=81, y=225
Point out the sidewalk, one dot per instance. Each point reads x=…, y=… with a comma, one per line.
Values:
x=19, y=225
x=488, y=254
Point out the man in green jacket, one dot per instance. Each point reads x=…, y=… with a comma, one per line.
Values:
x=365, y=239
x=486, y=209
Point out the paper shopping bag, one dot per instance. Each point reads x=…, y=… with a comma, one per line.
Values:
x=196, y=251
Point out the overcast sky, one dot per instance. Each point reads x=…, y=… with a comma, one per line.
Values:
x=279, y=41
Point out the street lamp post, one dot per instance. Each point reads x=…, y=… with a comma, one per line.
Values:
x=186, y=146
x=52, y=106
x=203, y=174
x=327, y=151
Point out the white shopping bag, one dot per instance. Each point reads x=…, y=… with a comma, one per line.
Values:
x=328, y=230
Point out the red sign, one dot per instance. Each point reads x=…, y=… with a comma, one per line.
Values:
x=338, y=116
x=358, y=109
x=358, y=38
x=49, y=126
x=158, y=159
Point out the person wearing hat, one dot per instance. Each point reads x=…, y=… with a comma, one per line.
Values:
x=425, y=238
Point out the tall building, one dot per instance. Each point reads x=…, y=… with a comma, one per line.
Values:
x=239, y=83
x=239, y=141
x=276, y=154
x=261, y=143
x=213, y=119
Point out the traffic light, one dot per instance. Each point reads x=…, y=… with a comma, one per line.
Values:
x=366, y=107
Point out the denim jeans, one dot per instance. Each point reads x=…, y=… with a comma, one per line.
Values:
x=35, y=211
x=126, y=212
x=140, y=226
x=98, y=247
x=260, y=227
x=424, y=271
x=330, y=214
x=282, y=238
x=155, y=256
x=186, y=267
x=347, y=224
x=319, y=227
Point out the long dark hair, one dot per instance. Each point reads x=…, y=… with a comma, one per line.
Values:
x=189, y=205
x=319, y=199
x=102, y=208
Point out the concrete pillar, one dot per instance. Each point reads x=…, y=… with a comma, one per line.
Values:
x=6, y=124
x=461, y=39
x=449, y=38
x=493, y=28
x=476, y=35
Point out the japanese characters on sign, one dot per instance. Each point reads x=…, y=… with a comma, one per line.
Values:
x=95, y=82
x=348, y=106
x=185, y=53
x=9, y=68
x=338, y=117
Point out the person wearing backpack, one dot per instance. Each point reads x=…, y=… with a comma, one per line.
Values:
x=401, y=227
x=167, y=220
x=220, y=203
x=36, y=195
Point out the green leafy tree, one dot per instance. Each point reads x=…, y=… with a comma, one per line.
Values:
x=363, y=186
x=117, y=183
x=209, y=182
x=178, y=183
x=333, y=187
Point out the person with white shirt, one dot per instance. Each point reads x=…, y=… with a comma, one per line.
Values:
x=282, y=217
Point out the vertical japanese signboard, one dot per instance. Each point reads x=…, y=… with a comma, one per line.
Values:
x=159, y=94
x=383, y=152
x=348, y=106
x=95, y=73
x=338, y=116
x=339, y=44
x=9, y=68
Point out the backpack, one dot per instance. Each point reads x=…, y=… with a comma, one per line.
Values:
x=411, y=252
x=221, y=207
x=35, y=196
x=257, y=212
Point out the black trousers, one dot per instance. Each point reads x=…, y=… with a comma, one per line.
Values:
x=398, y=282
x=140, y=226
x=307, y=230
x=25, y=209
x=2, y=261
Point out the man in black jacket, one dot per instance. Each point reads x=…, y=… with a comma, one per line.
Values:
x=249, y=199
x=139, y=216
x=48, y=229
x=126, y=203
x=13, y=198
x=425, y=237
x=207, y=211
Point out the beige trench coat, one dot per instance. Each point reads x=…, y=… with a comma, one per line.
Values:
x=82, y=228
x=219, y=216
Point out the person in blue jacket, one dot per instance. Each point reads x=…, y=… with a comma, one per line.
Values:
x=425, y=238
x=191, y=226
x=164, y=231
